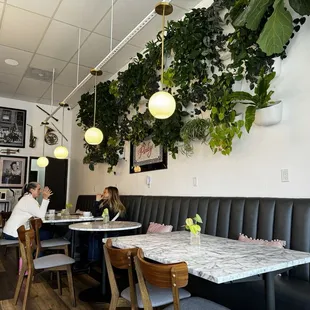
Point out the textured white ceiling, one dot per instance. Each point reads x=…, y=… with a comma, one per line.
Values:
x=44, y=34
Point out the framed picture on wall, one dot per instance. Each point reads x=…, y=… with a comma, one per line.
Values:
x=12, y=127
x=13, y=170
x=147, y=156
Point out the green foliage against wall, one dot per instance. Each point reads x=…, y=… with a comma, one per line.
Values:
x=197, y=77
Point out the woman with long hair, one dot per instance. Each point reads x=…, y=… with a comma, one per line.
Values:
x=109, y=199
x=26, y=208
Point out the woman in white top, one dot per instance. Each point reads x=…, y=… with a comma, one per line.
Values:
x=26, y=208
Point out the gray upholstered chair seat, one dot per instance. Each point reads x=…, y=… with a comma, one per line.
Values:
x=4, y=242
x=54, y=242
x=53, y=260
x=158, y=296
x=197, y=303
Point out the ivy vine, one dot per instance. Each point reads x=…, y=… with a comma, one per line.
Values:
x=198, y=77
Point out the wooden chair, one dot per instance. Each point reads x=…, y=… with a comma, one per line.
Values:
x=169, y=276
x=8, y=243
x=54, y=262
x=54, y=244
x=121, y=259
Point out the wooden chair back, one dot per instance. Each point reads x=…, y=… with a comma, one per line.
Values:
x=172, y=276
x=36, y=224
x=26, y=242
x=121, y=259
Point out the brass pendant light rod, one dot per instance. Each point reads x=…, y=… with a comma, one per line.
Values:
x=95, y=73
x=164, y=9
x=62, y=105
x=44, y=131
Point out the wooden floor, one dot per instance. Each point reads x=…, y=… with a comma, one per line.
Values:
x=44, y=294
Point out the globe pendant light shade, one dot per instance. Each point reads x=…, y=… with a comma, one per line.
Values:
x=61, y=152
x=93, y=136
x=42, y=161
x=162, y=105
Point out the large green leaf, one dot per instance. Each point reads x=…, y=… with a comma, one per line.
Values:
x=253, y=14
x=249, y=117
x=277, y=30
x=301, y=6
x=241, y=96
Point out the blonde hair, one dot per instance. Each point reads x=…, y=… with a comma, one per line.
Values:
x=114, y=201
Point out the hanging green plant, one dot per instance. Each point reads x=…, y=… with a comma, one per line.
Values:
x=197, y=77
x=193, y=130
x=278, y=28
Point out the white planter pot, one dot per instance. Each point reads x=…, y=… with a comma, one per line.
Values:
x=239, y=117
x=270, y=115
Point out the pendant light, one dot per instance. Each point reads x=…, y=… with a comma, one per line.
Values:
x=42, y=161
x=162, y=104
x=93, y=135
x=61, y=152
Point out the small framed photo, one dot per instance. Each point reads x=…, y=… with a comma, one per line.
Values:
x=13, y=170
x=12, y=127
x=147, y=156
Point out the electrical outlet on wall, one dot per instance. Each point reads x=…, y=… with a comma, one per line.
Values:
x=284, y=175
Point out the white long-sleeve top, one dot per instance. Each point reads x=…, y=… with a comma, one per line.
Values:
x=26, y=208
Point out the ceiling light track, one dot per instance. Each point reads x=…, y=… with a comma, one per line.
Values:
x=117, y=48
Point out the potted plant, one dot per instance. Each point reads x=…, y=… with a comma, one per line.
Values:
x=105, y=216
x=261, y=109
x=192, y=224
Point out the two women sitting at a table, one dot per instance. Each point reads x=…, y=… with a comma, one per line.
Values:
x=26, y=208
x=109, y=200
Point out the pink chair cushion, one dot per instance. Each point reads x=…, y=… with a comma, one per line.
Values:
x=275, y=243
x=159, y=228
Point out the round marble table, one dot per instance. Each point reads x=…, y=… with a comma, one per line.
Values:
x=99, y=294
x=100, y=226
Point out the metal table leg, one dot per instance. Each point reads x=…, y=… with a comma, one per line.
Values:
x=73, y=244
x=269, y=291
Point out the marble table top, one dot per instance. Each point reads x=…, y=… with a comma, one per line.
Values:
x=110, y=226
x=216, y=259
x=69, y=219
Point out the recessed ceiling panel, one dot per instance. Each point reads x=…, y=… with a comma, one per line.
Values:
x=82, y=13
x=61, y=41
x=22, y=29
x=44, y=7
x=22, y=57
x=32, y=88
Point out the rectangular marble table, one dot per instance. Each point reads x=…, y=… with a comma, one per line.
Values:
x=218, y=260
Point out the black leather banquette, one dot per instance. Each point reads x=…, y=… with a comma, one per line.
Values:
x=263, y=218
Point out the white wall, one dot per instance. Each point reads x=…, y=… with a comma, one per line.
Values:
x=34, y=117
x=252, y=169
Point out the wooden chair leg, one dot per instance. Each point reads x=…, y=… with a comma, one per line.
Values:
x=70, y=284
x=59, y=283
x=17, y=258
x=113, y=302
x=27, y=289
x=19, y=284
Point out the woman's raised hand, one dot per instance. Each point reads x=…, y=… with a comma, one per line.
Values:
x=98, y=197
x=46, y=193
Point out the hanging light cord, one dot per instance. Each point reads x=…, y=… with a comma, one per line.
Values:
x=62, y=126
x=44, y=130
x=95, y=103
x=162, y=48
x=52, y=90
